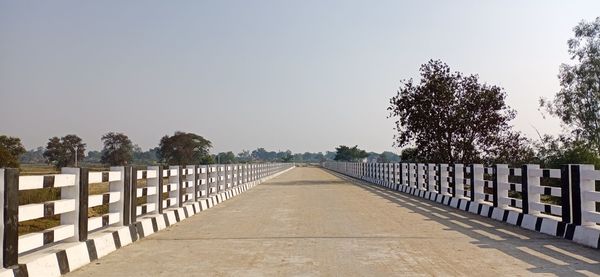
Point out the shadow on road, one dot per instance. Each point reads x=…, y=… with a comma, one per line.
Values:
x=546, y=254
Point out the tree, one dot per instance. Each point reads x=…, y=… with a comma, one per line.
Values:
x=208, y=159
x=183, y=149
x=10, y=151
x=226, y=158
x=556, y=151
x=64, y=151
x=349, y=154
x=33, y=156
x=410, y=155
x=244, y=156
x=288, y=158
x=93, y=157
x=118, y=149
x=450, y=117
x=577, y=103
x=145, y=157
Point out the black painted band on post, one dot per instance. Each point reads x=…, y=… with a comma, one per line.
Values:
x=525, y=189
x=565, y=193
x=84, y=174
x=419, y=178
x=160, y=190
x=180, y=189
x=452, y=184
x=495, y=185
x=438, y=182
x=393, y=176
x=126, y=195
x=10, y=236
x=576, y=194
x=133, y=202
x=426, y=177
x=409, y=173
x=472, y=182
x=217, y=179
x=196, y=182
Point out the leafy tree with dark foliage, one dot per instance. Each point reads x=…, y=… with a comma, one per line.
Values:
x=349, y=154
x=10, y=151
x=145, y=157
x=118, y=149
x=184, y=149
x=577, y=103
x=556, y=151
x=226, y=158
x=452, y=118
x=409, y=155
x=61, y=151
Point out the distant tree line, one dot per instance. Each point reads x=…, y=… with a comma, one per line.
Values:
x=178, y=149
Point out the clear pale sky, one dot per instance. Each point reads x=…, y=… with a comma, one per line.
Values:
x=298, y=75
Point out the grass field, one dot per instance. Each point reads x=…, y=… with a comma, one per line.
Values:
x=49, y=194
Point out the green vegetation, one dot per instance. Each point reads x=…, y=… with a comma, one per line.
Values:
x=118, y=149
x=349, y=154
x=577, y=104
x=65, y=151
x=183, y=149
x=226, y=158
x=10, y=150
x=451, y=117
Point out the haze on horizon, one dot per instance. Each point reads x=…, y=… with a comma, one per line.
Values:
x=303, y=75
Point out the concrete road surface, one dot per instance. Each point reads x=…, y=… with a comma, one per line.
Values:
x=308, y=222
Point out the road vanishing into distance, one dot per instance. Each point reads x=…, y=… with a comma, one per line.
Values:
x=311, y=222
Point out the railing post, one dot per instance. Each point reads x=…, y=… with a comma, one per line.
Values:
x=244, y=173
x=196, y=182
x=9, y=186
x=458, y=180
x=392, y=177
x=156, y=199
x=181, y=173
x=529, y=181
x=122, y=206
x=74, y=192
x=84, y=195
x=575, y=194
x=133, y=192
x=431, y=182
x=565, y=193
x=443, y=178
x=409, y=173
x=500, y=185
x=580, y=185
x=401, y=177
x=226, y=173
x=419, y=176
x=176, y=180
x=219, y=181
x=477, y=183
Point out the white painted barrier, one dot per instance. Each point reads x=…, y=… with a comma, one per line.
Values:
x=138, y=202
x=560, y=202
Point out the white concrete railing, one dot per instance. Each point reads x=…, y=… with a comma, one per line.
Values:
x=561, y=202
x=131, y=193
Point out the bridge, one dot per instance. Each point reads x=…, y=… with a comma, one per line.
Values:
x=343, y=219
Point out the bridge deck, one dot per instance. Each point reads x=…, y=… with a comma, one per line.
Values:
x=310, y=222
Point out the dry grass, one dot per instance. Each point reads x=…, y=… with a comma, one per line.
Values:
x=50, y=194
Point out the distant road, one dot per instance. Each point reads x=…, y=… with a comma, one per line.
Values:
x=309, y=222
